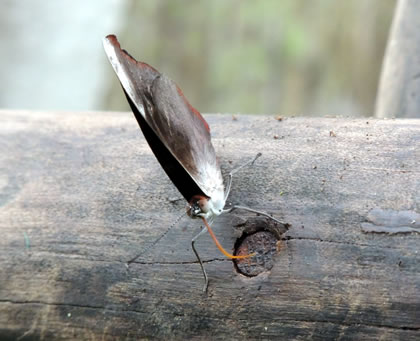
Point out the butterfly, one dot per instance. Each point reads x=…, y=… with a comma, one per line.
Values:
x=180, y=139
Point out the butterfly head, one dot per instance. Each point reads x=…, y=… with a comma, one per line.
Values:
x=204, y=207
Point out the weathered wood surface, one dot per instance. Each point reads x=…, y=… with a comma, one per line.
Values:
x=81, y=193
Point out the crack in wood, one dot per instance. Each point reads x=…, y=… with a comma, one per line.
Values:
x=185, y=262
x=320, y=240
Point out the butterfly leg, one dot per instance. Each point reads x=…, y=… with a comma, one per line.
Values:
x=233, y=171
x=238, y=207
x=206, y=279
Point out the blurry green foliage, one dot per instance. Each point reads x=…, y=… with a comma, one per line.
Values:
x=293, y=57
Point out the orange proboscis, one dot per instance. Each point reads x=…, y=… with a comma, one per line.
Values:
x=220, y=247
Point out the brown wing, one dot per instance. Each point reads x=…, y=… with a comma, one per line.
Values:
x=177, y=133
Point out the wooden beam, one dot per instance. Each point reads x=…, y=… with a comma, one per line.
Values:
x=81, y=193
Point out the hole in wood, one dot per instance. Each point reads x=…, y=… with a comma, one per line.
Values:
x=261, y=236
x=264, y=245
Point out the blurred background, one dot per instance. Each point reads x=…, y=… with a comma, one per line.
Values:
x=289, y=57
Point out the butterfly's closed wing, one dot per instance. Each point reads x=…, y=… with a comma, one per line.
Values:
x=177, y=133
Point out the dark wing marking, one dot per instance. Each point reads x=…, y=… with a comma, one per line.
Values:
x=177, y=133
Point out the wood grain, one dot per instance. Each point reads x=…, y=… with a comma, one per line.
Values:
x=81, y=193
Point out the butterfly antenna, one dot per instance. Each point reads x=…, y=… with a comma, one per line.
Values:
x=157, y=240
x=233, y=171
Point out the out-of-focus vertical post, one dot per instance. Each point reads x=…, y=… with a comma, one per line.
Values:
x=399, y=86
